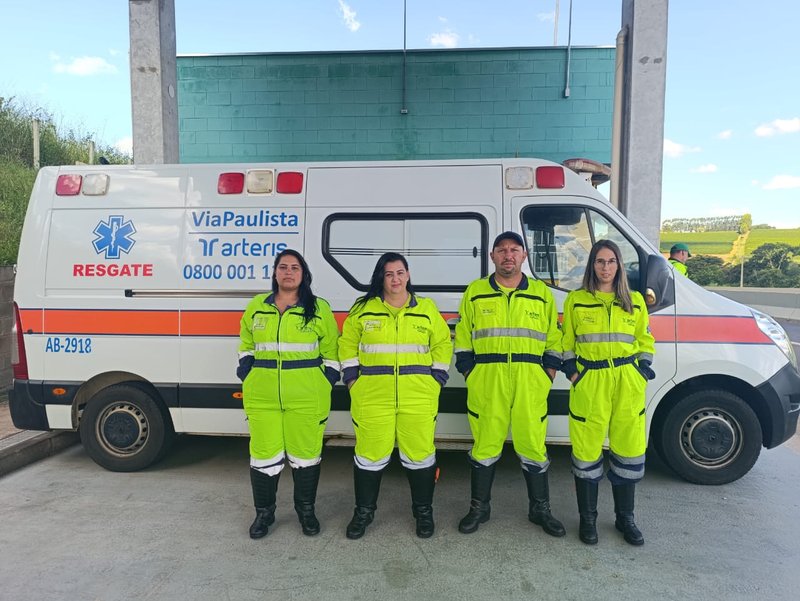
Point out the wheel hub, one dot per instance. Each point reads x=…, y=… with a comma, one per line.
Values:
x=123, y=429
x=710, y=437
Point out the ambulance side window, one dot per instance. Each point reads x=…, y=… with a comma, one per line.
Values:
x=559, y=239
x=445, y=251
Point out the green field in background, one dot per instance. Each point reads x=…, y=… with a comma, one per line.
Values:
x=759, y=237
x=703, y=243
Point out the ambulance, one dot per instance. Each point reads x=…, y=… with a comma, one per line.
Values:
x=131, y=282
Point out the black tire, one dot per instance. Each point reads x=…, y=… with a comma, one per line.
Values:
x=125, y=429
x=710, y=437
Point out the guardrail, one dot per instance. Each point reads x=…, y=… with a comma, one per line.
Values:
x=781, y=303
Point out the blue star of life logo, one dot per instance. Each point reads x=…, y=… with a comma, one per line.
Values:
x=113, y=236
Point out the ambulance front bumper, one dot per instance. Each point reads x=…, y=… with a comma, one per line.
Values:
x=26, y=404
x=781, y=394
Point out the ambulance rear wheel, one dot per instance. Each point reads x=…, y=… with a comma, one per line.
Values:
x=710, y=437
x=124, y=428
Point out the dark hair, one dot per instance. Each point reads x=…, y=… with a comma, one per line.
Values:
x=621, y=288
x=306, y=297
x=376, y=281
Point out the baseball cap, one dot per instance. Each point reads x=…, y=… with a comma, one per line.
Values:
x=680, y=246
x=513, y=236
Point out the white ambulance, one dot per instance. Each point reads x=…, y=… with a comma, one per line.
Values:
x=131, y=282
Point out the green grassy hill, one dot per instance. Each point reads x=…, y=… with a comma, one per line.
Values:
x=759, y=237
x=703, y=243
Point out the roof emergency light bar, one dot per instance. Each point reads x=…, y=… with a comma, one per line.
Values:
x=260, y=181
x=92, y=184
x=546, y=177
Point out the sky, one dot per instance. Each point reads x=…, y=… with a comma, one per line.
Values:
x=732, y=122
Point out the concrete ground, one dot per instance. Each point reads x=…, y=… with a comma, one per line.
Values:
x=71, y=530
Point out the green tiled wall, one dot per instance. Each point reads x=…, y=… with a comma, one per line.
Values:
x=347, y=105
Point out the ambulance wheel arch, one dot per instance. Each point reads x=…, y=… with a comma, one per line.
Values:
x=125, y=427
x=708, y=434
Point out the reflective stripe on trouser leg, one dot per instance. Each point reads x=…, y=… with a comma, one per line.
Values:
x=588, y=470
x=529, y=416
x=426, y=462
x=271, y=466
x=625, y=470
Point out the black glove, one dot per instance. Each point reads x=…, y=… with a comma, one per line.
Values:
x=569, y=367
x=245, y=365
x=440, y=376
x=647, y=371
x=332, y=375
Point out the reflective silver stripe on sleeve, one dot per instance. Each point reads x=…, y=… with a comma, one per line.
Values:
x=331, y=363
x=350, y=363
x=285, y=347
x=374, y=349
x=245, y=354
x=463, y=350
x=567, y=355
x=509, y=333
x=646, y=357
x=612, y=337
x=555, y=354
x=442, y=366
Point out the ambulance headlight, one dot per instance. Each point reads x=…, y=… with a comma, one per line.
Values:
x=777, y=334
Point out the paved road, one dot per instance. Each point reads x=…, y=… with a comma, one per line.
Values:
x=71, y=530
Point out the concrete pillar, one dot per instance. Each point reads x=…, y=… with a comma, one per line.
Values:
x=642, y=149
x=154, y=78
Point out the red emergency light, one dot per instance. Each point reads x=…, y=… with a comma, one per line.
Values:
x=230, y=183
x=289, y=182
x=550, y=177
x=68, y=185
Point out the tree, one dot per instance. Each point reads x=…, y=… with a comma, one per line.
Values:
x=746, y=223
x=776, y=255
x=709, y=271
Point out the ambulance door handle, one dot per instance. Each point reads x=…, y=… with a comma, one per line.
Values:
x=474, y=252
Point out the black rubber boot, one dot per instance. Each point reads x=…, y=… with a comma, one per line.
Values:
x=539, y=503
x=623, y=507
x=587, y=508
x=367, y=485
x=422, y=483
x=480, y=510
x=265, y=489
x=305, y=494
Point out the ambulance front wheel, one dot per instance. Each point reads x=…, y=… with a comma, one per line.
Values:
x=710, y=437
x=124, y=428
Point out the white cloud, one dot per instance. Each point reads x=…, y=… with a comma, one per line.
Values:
x=675, y=150
x=442, y=19
x=778, y=126
x=725, y=135
x=83, y=66
x=782, y=182
x=444, y=39
x=551, y=16
x=709, y=168
x=113, y=51
x=124, y=145
x=349, y=16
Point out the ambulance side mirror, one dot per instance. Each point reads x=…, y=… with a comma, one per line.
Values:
x=659, y=286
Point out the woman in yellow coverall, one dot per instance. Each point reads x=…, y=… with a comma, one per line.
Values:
x=608, y=350
x=395, y=351
x=287, y=363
